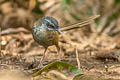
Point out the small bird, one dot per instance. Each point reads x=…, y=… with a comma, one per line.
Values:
x=46, y=31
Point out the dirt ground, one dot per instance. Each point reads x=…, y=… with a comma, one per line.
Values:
x=19, y=55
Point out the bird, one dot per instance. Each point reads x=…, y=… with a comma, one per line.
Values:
x=46, y=31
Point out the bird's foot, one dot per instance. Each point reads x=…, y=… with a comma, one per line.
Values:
x=40, y=65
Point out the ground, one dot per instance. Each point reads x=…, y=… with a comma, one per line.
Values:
x=97, y=58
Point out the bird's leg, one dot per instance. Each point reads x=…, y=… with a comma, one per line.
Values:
x=41, y=60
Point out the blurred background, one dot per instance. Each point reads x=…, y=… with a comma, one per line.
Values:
x=23, y=13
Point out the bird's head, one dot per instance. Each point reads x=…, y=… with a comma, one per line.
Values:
x=50, y=24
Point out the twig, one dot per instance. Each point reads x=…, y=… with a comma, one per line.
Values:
x=28, y=45
x=77, y=58
x=13, y=30
x=102, y=24
x=108, y=54
x=0, y=41
x=104, y=18
x=110, y=26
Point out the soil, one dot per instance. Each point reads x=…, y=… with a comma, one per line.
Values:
x=21, y=54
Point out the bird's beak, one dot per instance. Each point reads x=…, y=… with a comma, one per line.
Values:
x=58, y=30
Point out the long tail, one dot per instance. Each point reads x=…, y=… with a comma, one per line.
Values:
x=81, y=24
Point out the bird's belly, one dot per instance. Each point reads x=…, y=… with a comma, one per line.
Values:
x=46, y=38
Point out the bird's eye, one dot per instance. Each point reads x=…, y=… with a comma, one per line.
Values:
x=51, y=26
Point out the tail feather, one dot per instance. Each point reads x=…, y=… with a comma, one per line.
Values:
x=81, y=24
